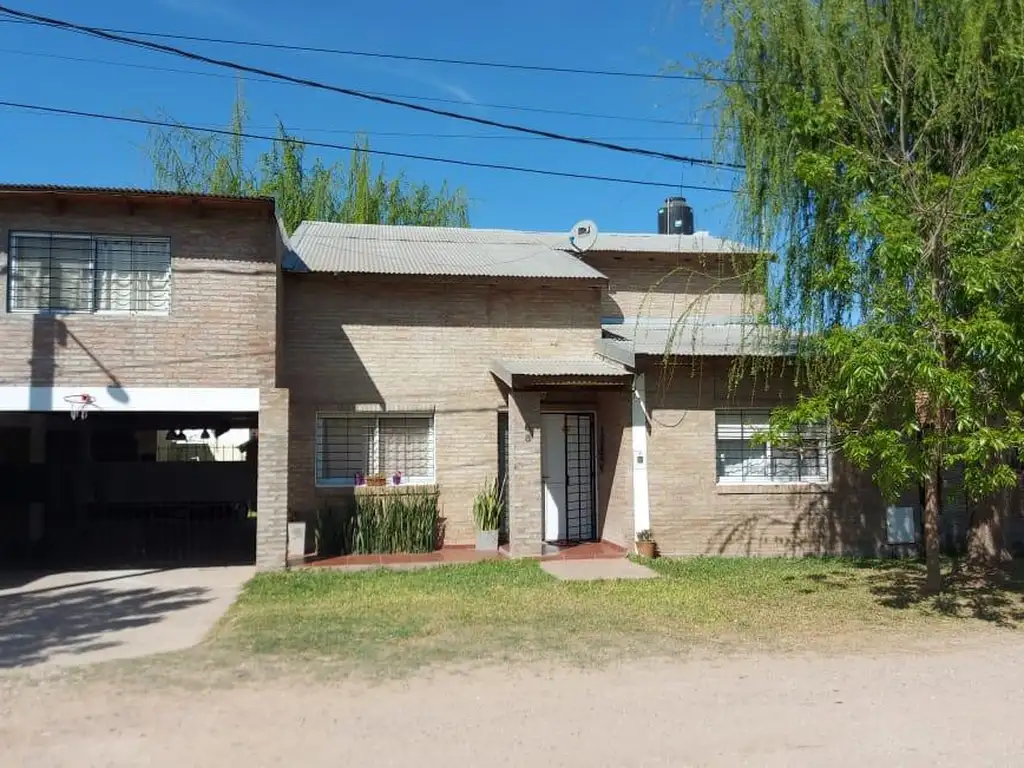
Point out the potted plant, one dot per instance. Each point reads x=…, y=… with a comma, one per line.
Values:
x=645, y=546
x=487, y=508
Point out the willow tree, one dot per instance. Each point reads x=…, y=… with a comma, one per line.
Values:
x=189, y=160
x=883, y=142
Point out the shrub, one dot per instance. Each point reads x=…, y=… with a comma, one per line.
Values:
x=332, y=531
x=488, y=505
x=395, y=520
x=377, y=521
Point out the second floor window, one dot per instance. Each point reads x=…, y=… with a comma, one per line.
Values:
x=57, y=272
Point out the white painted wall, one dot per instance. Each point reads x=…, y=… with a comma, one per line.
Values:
x=153, y=399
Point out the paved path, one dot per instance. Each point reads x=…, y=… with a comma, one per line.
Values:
x=940, y=705
x=597, y=569
x=83, y=617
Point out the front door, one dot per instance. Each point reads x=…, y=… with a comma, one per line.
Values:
x=567, y=469
x=552, y=460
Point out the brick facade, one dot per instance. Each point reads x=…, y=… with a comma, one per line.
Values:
x=221, y=328
x=691, y=514
x=668, y=286
x=401, y=344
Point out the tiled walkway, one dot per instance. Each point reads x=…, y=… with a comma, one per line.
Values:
x=591, y=550
x=597, y=569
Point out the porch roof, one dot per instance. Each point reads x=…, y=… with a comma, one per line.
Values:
x=584, y=371
x=705, y=337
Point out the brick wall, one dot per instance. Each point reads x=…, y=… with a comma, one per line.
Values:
x=412, y=344
x=692, y=515
x=272, y=481
x=221, y=327
x=668, y=286
x=615, y=476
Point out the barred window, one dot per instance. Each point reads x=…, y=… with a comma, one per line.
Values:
x=350, y=446
x=60, y=272
x=741, y=461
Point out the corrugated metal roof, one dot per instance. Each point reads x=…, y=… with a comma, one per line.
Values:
x=545, y=368
x=698, y=338
x=391, y=249
x=443, y=251
x=613, y=242
x=160, y=193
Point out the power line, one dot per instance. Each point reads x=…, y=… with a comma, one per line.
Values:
x=639, y=151
x=399, y=56
x=329, y=145
x=219, y=75
x=437, y=100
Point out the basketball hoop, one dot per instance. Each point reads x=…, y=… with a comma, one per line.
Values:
x=78, y=405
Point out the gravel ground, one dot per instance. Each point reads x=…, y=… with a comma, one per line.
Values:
x=955, y=702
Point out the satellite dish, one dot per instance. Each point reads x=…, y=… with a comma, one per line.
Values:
x=583, y=235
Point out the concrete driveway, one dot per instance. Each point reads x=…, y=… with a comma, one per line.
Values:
x=82, y=617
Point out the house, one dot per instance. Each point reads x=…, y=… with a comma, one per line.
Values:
x=152, y=313
x=594, y=382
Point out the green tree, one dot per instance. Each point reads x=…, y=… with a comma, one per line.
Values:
x=188, y=160
x=884, y=149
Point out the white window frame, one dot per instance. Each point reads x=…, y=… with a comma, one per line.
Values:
x=349, y=482
x=761, y=416
x=94, y=238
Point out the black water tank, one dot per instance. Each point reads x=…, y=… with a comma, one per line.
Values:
x=675, y=217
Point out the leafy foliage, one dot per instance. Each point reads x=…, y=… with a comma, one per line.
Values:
x=380, y=521
x=884, y=147
x=488, y=506
x=193, y=161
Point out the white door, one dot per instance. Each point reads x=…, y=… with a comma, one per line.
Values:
x=552, y=464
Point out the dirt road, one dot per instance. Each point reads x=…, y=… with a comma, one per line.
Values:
x=958, y=704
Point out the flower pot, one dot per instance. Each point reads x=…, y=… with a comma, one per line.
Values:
x=296, y=541
x=487, y=541
x=646, y=548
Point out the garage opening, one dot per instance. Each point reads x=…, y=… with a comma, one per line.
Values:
x=120, y=489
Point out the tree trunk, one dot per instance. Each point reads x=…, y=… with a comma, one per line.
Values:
x=988, y=541
x=933, y=577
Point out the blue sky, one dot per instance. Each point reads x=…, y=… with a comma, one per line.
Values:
x=642, y=35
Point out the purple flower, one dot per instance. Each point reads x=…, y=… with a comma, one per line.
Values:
x=360, y=479
x=397, y=478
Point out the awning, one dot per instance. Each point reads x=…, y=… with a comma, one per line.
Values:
x=699, y=338
x=527, y=372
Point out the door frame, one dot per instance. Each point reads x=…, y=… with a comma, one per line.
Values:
x=569, y=411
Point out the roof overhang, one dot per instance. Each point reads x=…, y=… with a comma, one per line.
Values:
x=153, y=197
x=625, y=342
x=545, y=372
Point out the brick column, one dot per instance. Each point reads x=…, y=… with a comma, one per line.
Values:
x=526, y=494
x=272, y=482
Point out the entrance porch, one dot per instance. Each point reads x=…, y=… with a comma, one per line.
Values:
x=567, y=454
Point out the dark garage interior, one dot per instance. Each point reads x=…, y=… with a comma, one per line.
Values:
x=127, y=489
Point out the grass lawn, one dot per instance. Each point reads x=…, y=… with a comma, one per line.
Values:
x=513, y=609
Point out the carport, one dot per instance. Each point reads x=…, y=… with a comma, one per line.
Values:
x=149, y=477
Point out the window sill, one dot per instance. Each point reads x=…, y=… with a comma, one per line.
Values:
x=90, y=312
x=348, y=484
x=760, y=489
